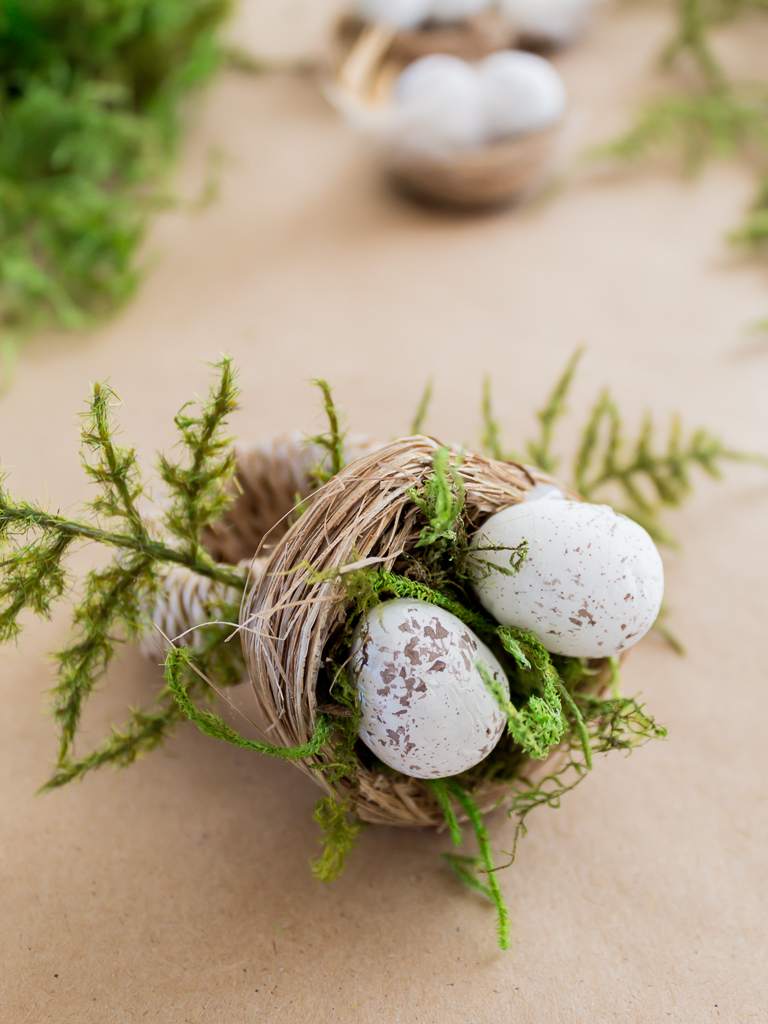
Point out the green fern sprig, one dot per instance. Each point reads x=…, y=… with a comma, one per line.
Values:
x=332, y=440
x=540, y=449
x=647, y=475
x=196, y=481
x=113, y=602
x=715, y=116
x=650, y=477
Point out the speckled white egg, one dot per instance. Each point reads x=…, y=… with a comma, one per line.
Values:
x=591, y=585
x=553, y=21
x=425, y=708
x=401, y=14
x=437, y=106
x=522, y=93
x=455, y=10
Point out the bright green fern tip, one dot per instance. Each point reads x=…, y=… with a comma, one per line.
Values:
x=441, y=500
x=332, y=440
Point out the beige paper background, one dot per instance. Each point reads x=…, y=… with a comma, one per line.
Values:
x=179, y=890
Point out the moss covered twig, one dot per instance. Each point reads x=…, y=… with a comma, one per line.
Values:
x=646, y=475
x=112, y=602
x=463, y=866
x=340, y=832
x=332, y=440
x=196, y=480
x=180, y=658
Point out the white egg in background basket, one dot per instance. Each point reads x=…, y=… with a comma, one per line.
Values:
x=455, y=10
x=400, y=14
x=425, y=708
x=437, y=106
x=591, y=585
x=522, y=92
x=542, y=491
x=552, y=21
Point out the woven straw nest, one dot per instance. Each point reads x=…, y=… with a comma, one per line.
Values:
x=502, y=171
x=288, y=616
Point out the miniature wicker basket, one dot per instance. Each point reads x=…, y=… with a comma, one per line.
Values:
x=364, y=512
x=471, y=39
x=499, y=172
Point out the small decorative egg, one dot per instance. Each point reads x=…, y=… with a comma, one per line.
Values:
x=591, y=584
x=456, y=10
x=542, y=491
x=556, y=22
x=400, y=14
x=426, y=710
x=523, y=92
x=437, y=105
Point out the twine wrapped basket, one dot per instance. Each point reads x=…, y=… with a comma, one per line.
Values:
x=289, y=613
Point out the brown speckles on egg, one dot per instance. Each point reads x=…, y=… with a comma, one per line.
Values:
x=425, y=708
x=586, y=569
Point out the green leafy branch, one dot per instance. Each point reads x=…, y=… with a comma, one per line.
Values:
x=647, y=475
x=718, y=117
x=113, y=601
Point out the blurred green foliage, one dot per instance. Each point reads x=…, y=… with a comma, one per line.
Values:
x=712, y=112
x=90, y=110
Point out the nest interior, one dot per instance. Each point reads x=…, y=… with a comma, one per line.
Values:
x=291, y=611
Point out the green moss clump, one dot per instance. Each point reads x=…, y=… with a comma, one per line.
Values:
x=91, y=96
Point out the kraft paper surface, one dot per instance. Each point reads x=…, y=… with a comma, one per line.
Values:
x=180, y=890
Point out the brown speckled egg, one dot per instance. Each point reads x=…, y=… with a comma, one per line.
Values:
x=591, y=585
x=425, y=708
